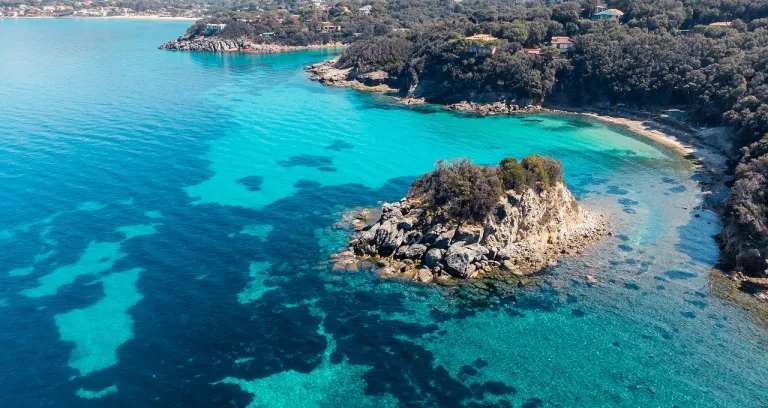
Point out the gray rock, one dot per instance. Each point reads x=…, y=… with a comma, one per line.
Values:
x=388, y=239
x=433, y=257
x=415, y=251
x=444, y=239
x=458, y=259
x=433, y=233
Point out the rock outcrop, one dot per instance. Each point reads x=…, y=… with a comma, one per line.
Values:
x=328, y=73
x=494, y=108
x=526, y=231
x=216, y=44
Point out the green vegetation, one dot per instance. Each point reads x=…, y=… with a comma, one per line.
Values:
x=746, y=233
x=468, y=192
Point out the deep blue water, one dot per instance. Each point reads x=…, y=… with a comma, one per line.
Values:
x=165, y=219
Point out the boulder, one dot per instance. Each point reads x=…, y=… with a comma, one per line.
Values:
x=388, y=239
x=414, y=251
x=444, y=240
x=425, y=275
x=433, y=257
x=458, y=259
x=471, y=234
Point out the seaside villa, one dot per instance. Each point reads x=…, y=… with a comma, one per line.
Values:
x=610, y=14
x=327, y=27
x=212, y=28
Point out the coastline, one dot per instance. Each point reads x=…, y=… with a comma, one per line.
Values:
x=704, y=148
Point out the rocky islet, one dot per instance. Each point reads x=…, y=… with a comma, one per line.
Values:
x=527, y=230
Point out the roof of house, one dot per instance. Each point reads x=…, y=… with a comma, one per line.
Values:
x=481, y=37
x=610, y=12
x=535, y=51
x=368, y=7
x=561, y=40
x=722, y=24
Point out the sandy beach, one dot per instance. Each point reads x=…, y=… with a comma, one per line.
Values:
x=689, y=142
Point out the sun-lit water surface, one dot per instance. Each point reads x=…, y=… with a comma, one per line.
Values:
x=166, y=216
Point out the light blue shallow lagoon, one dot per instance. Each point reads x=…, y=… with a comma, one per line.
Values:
x=166, y=218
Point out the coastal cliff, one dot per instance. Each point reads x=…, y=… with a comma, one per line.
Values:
x=463, y=221
x=244, y=45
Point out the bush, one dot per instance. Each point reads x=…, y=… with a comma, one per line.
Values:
x=469, y=192
x=542, y=170
x=512, y=174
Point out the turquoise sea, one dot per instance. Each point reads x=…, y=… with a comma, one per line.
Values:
x=166, y=217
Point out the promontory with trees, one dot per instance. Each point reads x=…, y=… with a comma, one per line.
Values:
x=705, y=58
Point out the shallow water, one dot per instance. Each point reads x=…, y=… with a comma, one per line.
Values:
x=166, y=216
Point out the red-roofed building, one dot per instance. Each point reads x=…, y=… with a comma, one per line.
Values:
x=562, y=43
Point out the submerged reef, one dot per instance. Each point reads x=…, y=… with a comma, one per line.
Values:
x=465, y=221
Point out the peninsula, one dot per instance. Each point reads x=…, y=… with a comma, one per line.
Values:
x=467, y=221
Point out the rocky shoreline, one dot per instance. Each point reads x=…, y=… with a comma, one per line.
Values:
x=526, y=232
x=327, y=73
x=238, y=45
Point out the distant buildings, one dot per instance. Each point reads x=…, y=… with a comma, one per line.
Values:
x=213, y=28
x=365, y=10
x=610, y=14
x=722, y=24
x=562, y=43
x=481, y=37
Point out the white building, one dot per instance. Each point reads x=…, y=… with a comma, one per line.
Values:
x=212, y=28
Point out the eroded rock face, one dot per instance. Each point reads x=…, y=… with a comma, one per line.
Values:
x=526, y=231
